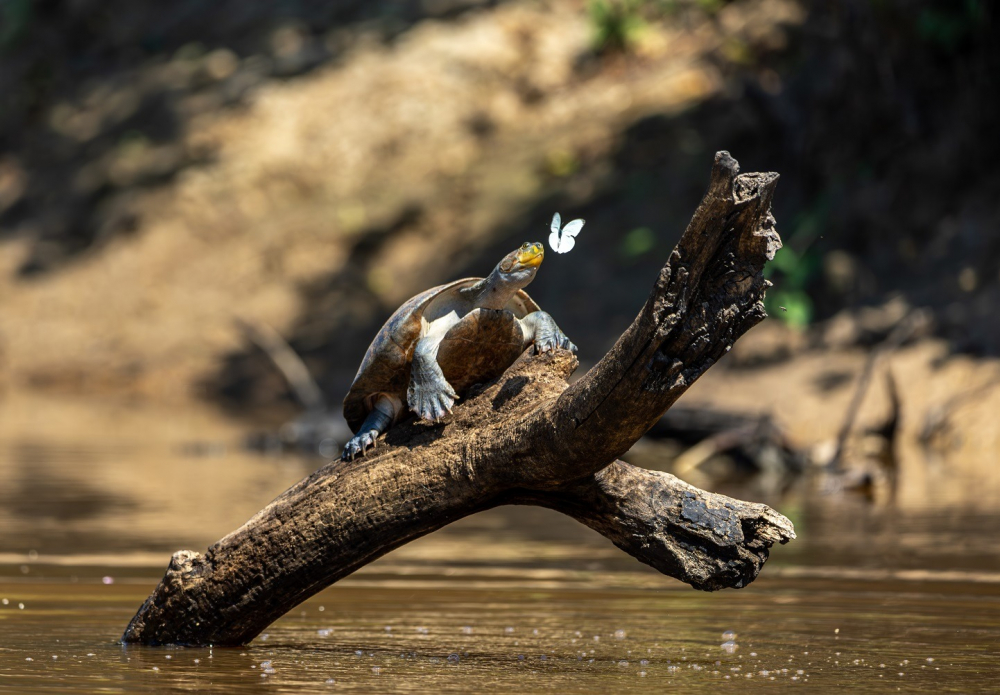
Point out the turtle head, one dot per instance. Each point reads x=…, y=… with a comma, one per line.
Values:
x=513, y=273
x=519, y=266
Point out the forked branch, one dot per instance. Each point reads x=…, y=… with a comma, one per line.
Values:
x=527, y=438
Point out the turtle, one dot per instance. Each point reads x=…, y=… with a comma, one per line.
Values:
x=443, y=341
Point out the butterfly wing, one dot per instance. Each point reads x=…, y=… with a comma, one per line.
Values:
x=563, y=245
x=562, y=241
x=555, y=242
x=554, y=239
x=572, y=228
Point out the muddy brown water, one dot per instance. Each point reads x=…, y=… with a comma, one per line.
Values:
x=870, y=598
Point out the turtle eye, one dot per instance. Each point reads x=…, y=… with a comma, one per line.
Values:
x=525, y=246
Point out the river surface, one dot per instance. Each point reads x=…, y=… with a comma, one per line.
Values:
x=872, y=597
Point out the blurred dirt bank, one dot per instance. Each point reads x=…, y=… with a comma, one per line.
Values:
x=326, y=166
x=332, y=197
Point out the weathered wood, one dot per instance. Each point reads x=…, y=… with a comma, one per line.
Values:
x=527, y=438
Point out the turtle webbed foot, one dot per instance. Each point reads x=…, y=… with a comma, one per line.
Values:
x=549, y=345
x=431, y=402
x=548, y=336
x=359, y=444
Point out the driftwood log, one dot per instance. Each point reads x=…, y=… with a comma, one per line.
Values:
x=527, y=438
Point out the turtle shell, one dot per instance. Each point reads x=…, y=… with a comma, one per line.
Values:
x=477, y=349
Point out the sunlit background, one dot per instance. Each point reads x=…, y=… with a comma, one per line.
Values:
x=196, y=195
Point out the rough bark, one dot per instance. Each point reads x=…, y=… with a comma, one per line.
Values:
x=527, y=438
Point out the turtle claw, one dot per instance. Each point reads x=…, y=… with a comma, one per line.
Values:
x=429, y=404
x=546, y=335
x=546, y=342
x=551, y=341
x=359, y=444
x=440, y=405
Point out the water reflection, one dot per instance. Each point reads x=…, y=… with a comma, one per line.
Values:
x=40, y=488
x=515, y=598
x=374, y=633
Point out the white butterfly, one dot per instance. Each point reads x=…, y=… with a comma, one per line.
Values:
x=564, y=241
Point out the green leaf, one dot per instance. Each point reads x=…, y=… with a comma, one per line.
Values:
x=793, y=307
x=638, y=242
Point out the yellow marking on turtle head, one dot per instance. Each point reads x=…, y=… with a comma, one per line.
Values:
x=530, y=255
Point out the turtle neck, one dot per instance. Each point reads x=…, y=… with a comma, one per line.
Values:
x=495, y=291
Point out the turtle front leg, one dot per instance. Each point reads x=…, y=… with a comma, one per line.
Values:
x=429, y=395
x=541, y=329
x=376, y=423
